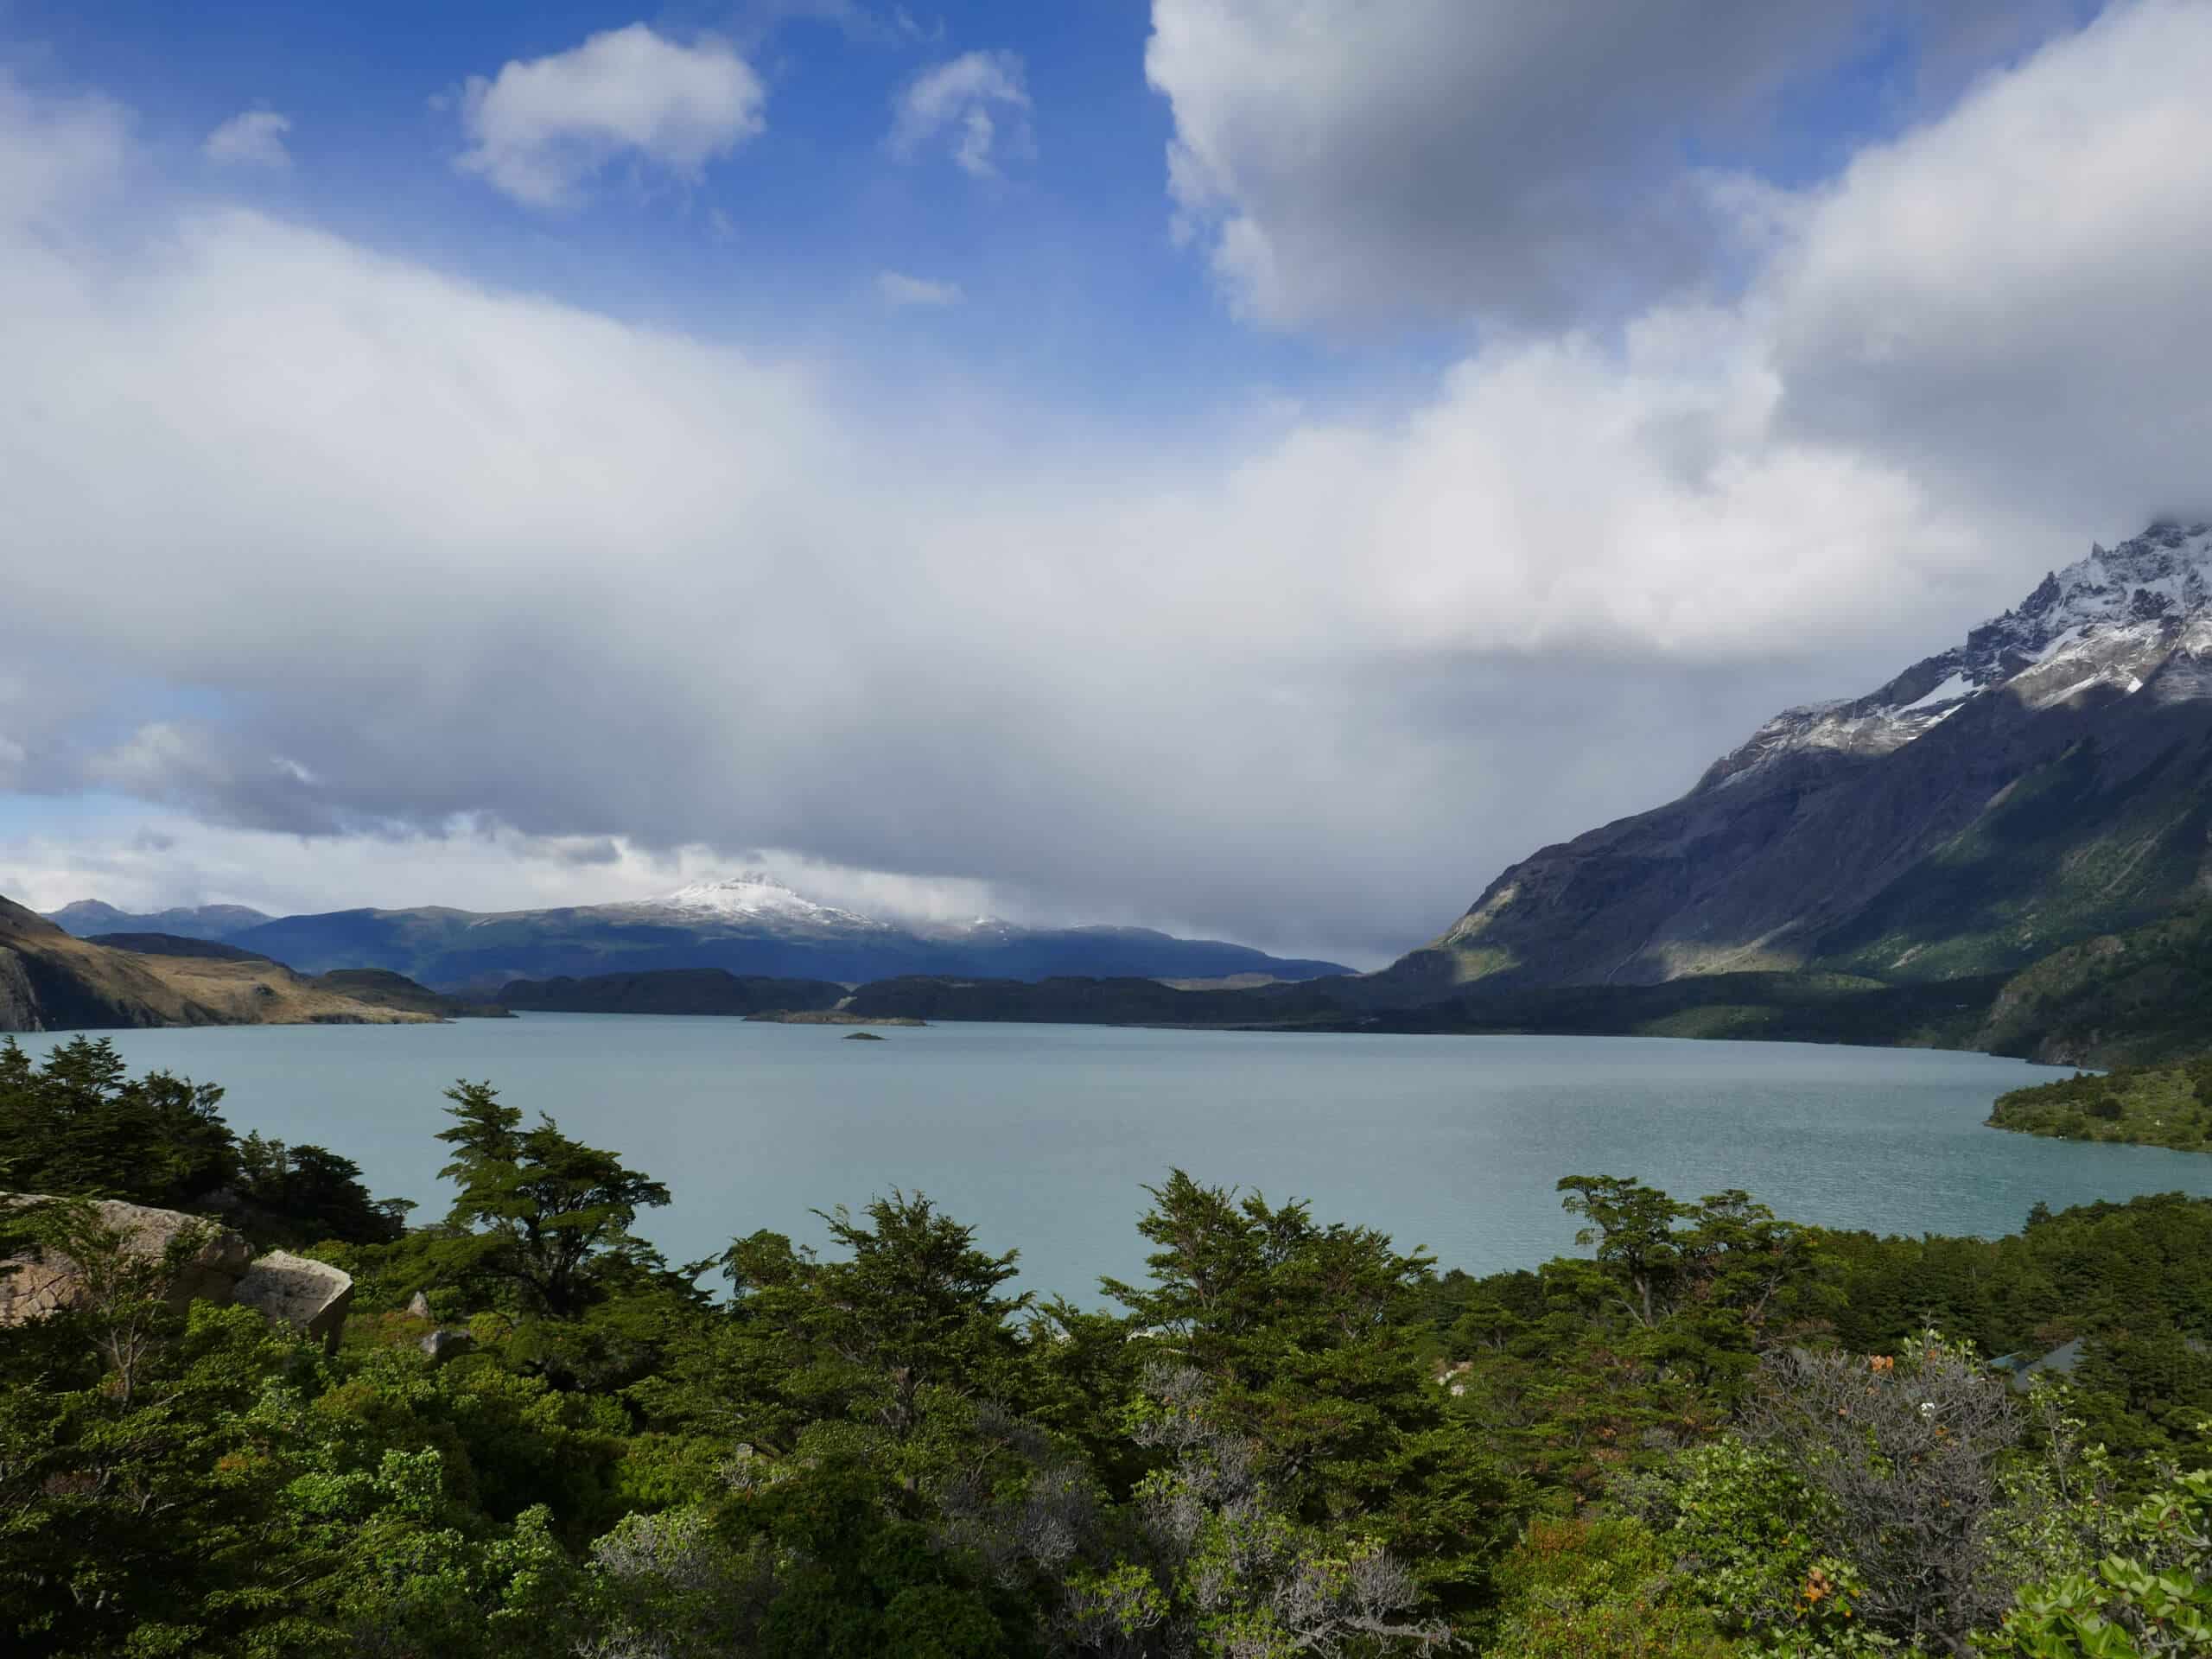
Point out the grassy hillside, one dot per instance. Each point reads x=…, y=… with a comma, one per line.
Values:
x=1784, y=1008
x=1773, y=1007
x=387, y=990
x=52, y=981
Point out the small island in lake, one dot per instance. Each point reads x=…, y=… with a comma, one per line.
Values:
x=862, y=1037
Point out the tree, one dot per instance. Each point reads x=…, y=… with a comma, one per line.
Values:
x=307, y=1194
x=1632, y=1228
x=1223, y=1568
x=1902, y=1453
x=1305, y=1338
x=915, y=1308
x=136, y=1514
x=547, y=1206
x=80, y=1127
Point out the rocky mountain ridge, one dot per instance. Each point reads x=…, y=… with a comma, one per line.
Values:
x=2109, y=618
x=750, y=924
x=89, y=916
x=2046, y=780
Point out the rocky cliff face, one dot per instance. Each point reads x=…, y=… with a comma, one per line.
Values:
x=2111, y=619
x=2048, y=779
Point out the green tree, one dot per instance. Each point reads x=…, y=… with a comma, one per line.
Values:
x=537, y=1211
x=1631, y=1228
x=915, y=1308
x=1600, y=1588
x=307, y=1194
x=1304, y=1337
x=80, y=1126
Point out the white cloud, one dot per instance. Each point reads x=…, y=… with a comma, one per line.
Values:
x=2010, y=302
x=466, y=862
x=899, y=290
x=1449, y=157
x=956, y=101
x=76, y=152
x=252, y=138
x=543, y=127
x=451, y=550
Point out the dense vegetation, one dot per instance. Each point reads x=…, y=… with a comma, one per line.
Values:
x=1782, y=1008
x=2139, y=997
x=2158, y=1106
x=670, y=990
x=1716, y=1433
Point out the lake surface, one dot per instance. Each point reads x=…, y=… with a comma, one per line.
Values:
x=1043, y=1135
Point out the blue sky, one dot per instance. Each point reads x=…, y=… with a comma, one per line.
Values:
x=1065, y=260
x=1247, y=466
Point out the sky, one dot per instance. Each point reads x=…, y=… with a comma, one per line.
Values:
x=1254, y=467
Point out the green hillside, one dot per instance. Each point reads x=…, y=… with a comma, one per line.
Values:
x=2155, y=1106
x=2065, y=851
x=2134, y=998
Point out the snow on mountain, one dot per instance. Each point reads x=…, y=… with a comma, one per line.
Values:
x=753, y=898
x=2114, y=618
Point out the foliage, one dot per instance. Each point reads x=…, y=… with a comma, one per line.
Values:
x=2157, y=1106
x=1601, y=1589
x=536, y=1208
x=1742, y=1522
x=1901, y=1452
x=2150, y=1596
x=1716, y=1433
x=1303, y=1335
x=2132, y=998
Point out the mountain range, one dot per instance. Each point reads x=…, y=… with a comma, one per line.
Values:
x=2047, y=781
x=749, y=925
x=89, y=917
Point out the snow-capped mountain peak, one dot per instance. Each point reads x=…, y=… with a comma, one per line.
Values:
x=755, y=896
x=2112, y=618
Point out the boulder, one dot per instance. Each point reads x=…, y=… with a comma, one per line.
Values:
x=310, y=1296
x=40, y=1283
x=444, y=1345
x=418, y=1307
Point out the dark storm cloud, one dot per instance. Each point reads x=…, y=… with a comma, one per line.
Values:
x=1522, y=163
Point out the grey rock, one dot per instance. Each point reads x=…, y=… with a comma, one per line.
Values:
x=310, y=1296
x=19, y=1009
x=418, y=1307
x=40, y=1283
x=444, y=1345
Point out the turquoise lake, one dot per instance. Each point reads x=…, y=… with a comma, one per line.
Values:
x=1042, y=1136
